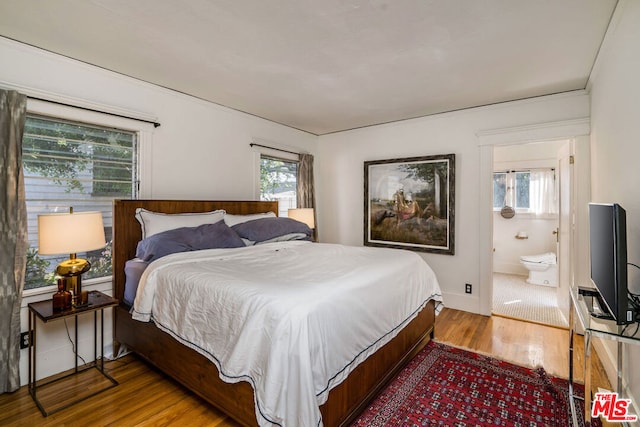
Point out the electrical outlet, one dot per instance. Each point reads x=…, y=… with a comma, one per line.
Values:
x=24, y=340
x=467, y=288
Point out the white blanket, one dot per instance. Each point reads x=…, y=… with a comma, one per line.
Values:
x=291, y=318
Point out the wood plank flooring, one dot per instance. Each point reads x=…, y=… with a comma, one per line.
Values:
x=145, y=397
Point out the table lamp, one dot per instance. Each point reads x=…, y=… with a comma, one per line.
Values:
x=305, y=215
x=70, y=233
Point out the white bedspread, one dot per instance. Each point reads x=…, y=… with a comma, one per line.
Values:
x=291, y=318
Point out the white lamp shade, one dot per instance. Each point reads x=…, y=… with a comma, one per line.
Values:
x=303, y=215
x=69, y=233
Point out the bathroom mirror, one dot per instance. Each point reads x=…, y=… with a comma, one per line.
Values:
x=507, y=212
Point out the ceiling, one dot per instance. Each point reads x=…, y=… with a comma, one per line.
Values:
x=331, y=65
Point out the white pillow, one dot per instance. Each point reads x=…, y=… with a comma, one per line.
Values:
x=232, y=220
x=155, y=222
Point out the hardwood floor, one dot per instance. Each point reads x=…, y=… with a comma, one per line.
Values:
x=146, y=398
x=523, y=343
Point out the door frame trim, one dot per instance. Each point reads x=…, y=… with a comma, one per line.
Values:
x=487, y=139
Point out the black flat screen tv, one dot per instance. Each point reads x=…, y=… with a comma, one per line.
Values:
x=608, y=255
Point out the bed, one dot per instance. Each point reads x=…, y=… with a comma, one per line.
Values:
x=188, y=364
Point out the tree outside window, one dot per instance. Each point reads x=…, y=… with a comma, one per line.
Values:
x=278, y=180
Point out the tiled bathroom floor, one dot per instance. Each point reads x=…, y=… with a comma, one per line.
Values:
x=514, y=297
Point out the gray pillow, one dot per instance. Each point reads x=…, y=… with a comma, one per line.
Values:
x=260, y=230
x=206, y=236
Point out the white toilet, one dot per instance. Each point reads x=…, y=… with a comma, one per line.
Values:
x=543, y=269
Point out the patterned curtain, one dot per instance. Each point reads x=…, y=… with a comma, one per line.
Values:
x=13, y=235
x=306, y=193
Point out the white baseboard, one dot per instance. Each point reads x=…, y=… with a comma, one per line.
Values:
x=510, y=268
x=464, y=302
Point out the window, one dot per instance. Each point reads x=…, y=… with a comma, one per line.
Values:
x=531, y=191
x=499, y=189
x=278, y=182
x=521, y=190
x=512, y=189
x=71, y=164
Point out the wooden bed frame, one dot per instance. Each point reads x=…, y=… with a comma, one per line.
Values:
x=199, y=375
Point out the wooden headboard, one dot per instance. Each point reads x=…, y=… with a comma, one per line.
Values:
x=127, y=232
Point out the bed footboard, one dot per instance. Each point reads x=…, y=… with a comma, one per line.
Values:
x=200, y=375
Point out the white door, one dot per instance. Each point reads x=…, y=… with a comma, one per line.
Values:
x=565, y=225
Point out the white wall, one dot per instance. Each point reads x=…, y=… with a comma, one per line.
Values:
x=200, y=151
x=509, y=249
x=339, y=166
x=615, y=144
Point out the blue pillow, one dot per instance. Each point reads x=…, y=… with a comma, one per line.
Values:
x=263, y=229
x=206, y=236
x=133, y=270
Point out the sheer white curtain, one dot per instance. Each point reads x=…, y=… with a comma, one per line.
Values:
x=543, y=197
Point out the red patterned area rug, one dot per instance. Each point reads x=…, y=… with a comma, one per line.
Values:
x=447, y=386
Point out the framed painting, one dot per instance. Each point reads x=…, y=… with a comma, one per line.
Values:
x=409, y=203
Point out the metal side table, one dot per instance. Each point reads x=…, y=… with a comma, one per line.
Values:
x=43, y=310
x=581, y=313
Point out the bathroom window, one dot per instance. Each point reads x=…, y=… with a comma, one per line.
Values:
x=521, y=190
x=499, y=190
x=511, y=188
x=530, y=192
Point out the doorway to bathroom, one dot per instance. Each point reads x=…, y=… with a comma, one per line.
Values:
x=526, y=231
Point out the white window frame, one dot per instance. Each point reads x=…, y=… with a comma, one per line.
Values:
x=511, y=193
x=144, y=136
x=510, y=177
